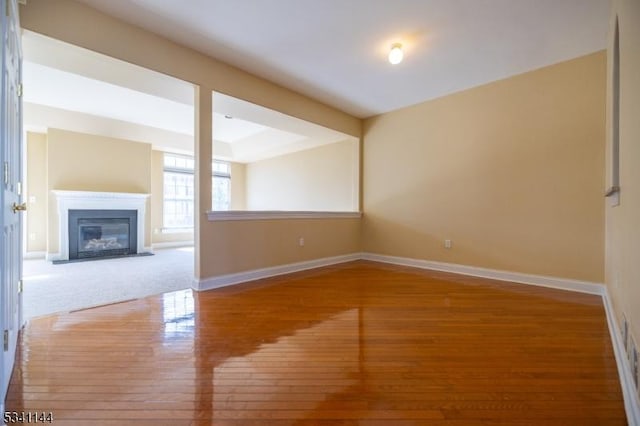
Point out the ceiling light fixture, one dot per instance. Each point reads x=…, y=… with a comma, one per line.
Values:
x=396, y=54
x=228, y=117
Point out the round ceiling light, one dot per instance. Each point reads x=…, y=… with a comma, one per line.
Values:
x=396, y=54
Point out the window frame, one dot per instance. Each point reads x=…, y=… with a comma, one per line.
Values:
x=190, y=171
x=187, y=171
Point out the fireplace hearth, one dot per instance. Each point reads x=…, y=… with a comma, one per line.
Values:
x=102, y=233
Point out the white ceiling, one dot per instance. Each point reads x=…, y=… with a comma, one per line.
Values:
x=335, y=50
x=76, y=89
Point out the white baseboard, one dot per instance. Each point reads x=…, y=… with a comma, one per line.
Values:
x=494, y=274
x=629, y=393
x=34, y=255
x=171, y=244
x=256, y=274
x=52, y=256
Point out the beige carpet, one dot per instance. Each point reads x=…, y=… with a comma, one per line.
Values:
x=52, y=288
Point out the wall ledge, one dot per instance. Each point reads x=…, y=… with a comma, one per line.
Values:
x=215, y=216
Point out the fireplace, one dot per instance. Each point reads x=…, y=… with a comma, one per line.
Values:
x=102, y=233
x=104, y=230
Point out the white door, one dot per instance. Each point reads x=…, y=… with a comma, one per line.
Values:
x=10, y=194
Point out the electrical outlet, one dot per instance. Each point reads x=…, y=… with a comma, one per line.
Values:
x=32, y=236
x=447, y=244
x=301, y=241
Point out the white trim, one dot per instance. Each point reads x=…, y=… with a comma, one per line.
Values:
x=215, y=216
x=186, y=230
x=256, y=274
x=171, y=244
x=89, y=200
x=52, y=256
x=629, y=393
x=34, y=255
x=495, y=274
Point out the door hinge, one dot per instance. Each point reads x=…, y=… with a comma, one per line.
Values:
x=20, y=286
x=6, y=173
x=19, y=90
x=6, y=340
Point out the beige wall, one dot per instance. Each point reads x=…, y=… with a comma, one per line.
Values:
x=623, y=221
x=247, y=245
x=82, y=162
x=238, y=186
x=36, y=195
x=324, y=178
x=157, y=201
x=512, y=172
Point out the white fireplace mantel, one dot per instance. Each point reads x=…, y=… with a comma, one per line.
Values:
x=89, y=200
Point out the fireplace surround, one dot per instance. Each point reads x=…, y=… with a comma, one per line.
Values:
x=107, y=235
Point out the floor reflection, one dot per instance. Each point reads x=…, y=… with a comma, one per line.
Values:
x=324, y=356
x=178, y=313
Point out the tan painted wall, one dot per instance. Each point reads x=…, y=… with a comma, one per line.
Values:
x=36, y=195
x=82, y=162
x=512, y=172
x=623, y=221
x=157, y=201
x=247, y=245
x=238, y=186
x=319, y=179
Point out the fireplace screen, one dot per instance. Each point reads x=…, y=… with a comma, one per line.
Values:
x=99, y=233
x=95, y=237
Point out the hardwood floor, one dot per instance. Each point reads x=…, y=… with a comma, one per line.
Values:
x=360, y=343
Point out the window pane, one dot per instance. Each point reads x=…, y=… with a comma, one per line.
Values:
x=220, y=167
x=178, y=200
x=169, y=160
x=221, y=196
x=180, y=162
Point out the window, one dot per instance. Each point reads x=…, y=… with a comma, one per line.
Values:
x=179, y=189
x=221, y=185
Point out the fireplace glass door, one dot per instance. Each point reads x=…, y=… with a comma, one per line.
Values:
x=102, y=233
x=103, y=237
